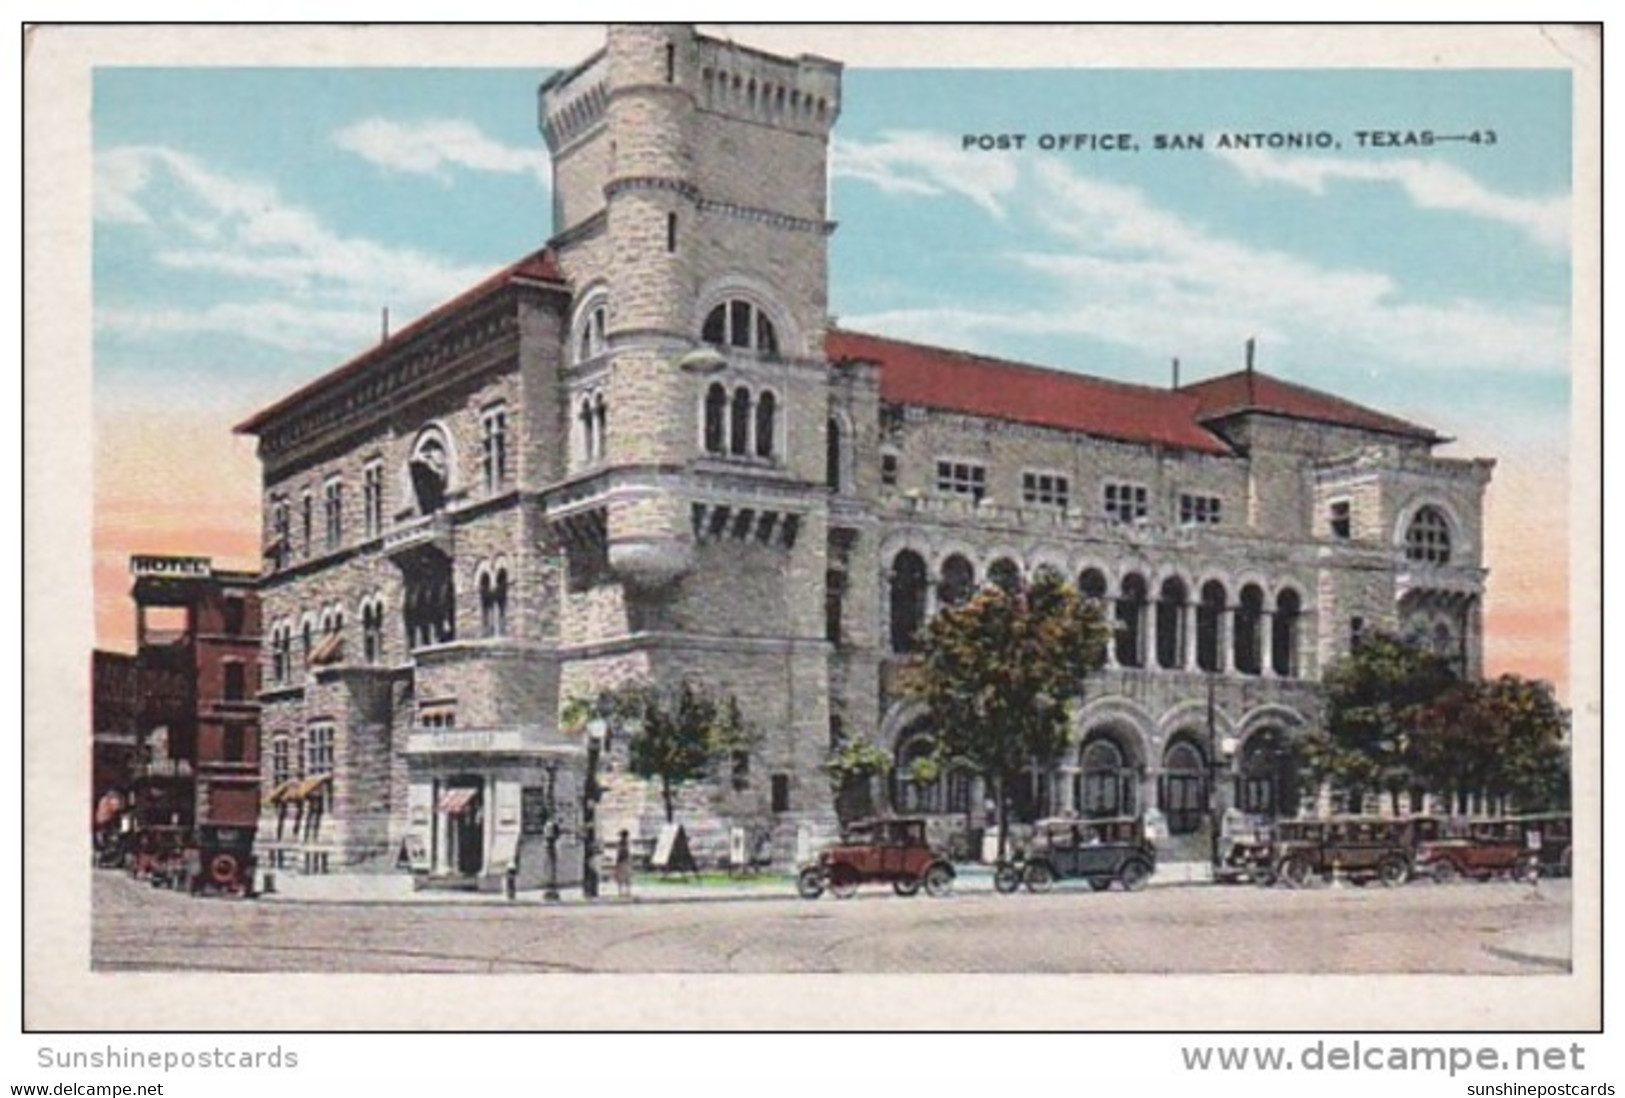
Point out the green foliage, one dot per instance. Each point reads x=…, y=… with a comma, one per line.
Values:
x=857, y=757
x=677, y=734
x=1000, y=674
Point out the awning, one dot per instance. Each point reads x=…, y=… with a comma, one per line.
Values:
x=331, y=650
x=280, y=794
x=303, y=789
x=454, y=802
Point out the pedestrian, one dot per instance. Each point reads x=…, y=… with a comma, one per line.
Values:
x=623, y=865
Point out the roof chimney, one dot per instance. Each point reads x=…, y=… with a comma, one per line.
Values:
x=384, y=338
x=1176, y=371
x=1251, y=347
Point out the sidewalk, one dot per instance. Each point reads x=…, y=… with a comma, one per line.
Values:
x=396, y=888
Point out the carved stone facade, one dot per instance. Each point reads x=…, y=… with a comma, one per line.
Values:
x=644, y=453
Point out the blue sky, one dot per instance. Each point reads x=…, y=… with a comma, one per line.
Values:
x=251, y=223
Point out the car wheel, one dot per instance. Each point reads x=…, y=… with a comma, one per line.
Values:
x=906, y=888
x=939, y=880
x=1134, y=875
x=844, y=886
x=1006, y=879
x=1394, y=871
x=810, y=884
x=1294, y=872
x=1100, y=884
x=1445, y=872
x=1262, y=877
x=1038, y=877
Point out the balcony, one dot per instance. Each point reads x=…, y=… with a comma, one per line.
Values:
x=430, y=532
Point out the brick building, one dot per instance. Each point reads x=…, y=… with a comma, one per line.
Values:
x=183, y=707
x=643, y=451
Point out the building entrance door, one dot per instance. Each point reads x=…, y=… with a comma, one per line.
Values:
x=463, y=804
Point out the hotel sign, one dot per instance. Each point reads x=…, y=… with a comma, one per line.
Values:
x=172, y=567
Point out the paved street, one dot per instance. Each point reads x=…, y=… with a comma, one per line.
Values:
x=1495, y=928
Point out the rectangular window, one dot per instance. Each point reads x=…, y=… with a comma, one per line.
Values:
x=1125, y=502
x=494, y=447
x=1198, y=510
x=333, y=512
x=234, y=746
x=962, y=478
x=236, y=685
x=372, y=498
x=671, y=232
x=308, y=507
x=741, y=770
x=1340, y=519
x=319, y=750
x=1356, y=632
x=281, y=762
x=437, y=715
x=1046, y=489
x=233, y=614
x=888, y=470
x=781, y=793
x=281, y=533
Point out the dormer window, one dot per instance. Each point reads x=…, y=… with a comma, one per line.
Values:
x=739, y=323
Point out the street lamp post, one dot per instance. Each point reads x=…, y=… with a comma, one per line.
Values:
x=551, y=893
x=1219, y=752
x=597, y=735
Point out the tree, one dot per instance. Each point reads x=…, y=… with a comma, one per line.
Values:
x=1505, y=738
x=1373, y=701
x=999, y=676
x=677, y=734
x=852, y=767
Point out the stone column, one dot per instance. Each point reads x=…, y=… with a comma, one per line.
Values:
x=1187, y=650
x=1266, y=644
x=1109, y=608
x=1227, y=641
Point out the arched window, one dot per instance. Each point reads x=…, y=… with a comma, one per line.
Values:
x=1171, y=623
x=716, y=419
x=589, y=443
x=1249, y=616
x=1005, y=574
x=494, y=603
x=914, y=795
x=1183, y=789
x=1284, y=633
x=1267, y=782
x=1427, y=539
x=908, y=579
x=958, y=581
x=1131, y=621
x=372, y=632
x=430, y=468
x=739, y=323
x=1101, y=779
x=739, y=423
x=600, y=435
x=766, y=411
x=590, y=343
x=1209, y=623
x=1048, y=573
x=832, y=455
x=1092, y=585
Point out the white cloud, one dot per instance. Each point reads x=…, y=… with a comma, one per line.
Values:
x=242, y=232
x=433, y=147
x=1430, y=185
x=929, y=165
x=1129, y=273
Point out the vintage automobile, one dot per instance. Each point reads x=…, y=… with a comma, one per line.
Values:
x=1485, y=849
x=1096, y=851
x=888, y=851
x=1357, y=848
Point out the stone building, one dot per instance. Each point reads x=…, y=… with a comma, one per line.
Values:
x=643, y=452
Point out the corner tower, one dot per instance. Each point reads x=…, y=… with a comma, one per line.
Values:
x=690, y=181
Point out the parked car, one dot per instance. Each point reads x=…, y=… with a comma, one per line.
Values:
x=1485, y=849
x=1358, y=848
x=891, y=851
x=1097, y=851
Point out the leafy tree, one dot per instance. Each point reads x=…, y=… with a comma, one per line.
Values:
x=676, y=734
x=1507, y=737
x=852, y=768
x=999, y=676
x=1373, y=700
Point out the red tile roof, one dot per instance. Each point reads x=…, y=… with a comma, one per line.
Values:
x=1256, y=392
x=955, y=381
x=535, y=267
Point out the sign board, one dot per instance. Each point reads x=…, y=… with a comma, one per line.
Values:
x=414, y=854
x=672, y=854
x=533, y=811
x=736, y=846
x=1533, y=840
x=175, y=567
